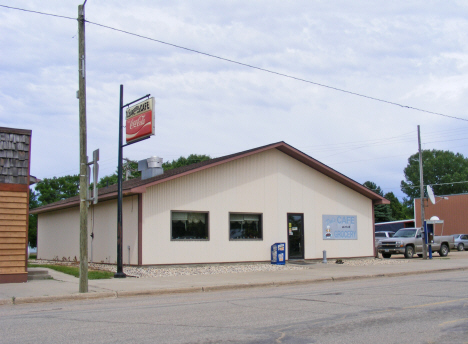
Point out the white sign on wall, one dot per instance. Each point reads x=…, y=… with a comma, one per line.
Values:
x=339, y=227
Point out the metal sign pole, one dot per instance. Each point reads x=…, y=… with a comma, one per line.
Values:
x=120, y=273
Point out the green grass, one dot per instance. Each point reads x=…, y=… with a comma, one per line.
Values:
x=32, y=256
x=74, y=271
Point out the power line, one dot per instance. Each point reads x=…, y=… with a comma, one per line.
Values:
x=276, y=73
x=248, y=65
x=37, y=12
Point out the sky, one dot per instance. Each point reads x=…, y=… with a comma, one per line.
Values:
x=410, y=53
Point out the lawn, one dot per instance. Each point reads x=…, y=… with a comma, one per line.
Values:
x=74, y=271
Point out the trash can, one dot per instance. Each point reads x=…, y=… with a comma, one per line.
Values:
x=277, y=253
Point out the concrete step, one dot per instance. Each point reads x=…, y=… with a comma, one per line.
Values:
x=37, y=274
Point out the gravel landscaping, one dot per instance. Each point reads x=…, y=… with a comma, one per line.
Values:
x=211, y=269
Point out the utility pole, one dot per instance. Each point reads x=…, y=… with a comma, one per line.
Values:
x=421, y=188
x=83, y=286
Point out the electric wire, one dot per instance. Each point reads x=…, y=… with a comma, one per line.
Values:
x=248, y=65
x=276, y=73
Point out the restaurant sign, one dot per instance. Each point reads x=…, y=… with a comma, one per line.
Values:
x=339, y=227
x=140, y=120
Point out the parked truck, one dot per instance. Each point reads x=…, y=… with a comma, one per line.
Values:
x=408, y=241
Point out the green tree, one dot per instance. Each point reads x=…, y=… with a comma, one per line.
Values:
x=132, y=167
x=56, y=189
x=129, y=171
x=48, y=191
x=382, y=212
x=439, y=167
x=32, y=229
x=399, y=210
x=182, y=161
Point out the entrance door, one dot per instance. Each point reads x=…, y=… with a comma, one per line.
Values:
x=295, y=236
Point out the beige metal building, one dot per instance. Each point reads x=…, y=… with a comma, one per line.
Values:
x=228, y=209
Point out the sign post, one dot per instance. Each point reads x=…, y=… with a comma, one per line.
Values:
x=139, y=127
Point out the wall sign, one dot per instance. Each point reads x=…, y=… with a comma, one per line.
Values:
x=339, y=227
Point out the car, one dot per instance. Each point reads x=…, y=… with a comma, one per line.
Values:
x=461, y=241
x=380, y=235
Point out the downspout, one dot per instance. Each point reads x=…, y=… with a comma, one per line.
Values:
x=140, y=229
x=373, y=229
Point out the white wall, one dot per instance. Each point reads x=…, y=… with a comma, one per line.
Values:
x=59, y=232
x=271, y=183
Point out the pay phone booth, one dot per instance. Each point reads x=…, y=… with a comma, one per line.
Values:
x=429, y=232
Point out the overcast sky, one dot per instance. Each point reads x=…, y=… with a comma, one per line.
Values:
x=414, y=53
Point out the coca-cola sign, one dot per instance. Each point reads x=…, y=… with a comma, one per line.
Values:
x=140, y=120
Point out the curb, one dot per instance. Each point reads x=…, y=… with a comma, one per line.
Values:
x=153, y=292
x=72, y=297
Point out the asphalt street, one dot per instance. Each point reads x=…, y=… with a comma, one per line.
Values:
x=428, y=308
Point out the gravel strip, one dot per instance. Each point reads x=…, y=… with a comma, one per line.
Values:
x=213, y=269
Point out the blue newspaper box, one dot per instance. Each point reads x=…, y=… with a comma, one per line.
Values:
x=277, y=253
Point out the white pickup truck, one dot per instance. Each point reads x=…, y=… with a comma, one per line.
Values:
x=408, y=241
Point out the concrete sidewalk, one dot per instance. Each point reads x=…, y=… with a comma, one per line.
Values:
x=65, y=287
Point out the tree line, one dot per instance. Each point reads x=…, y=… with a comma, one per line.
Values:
x=446, y=171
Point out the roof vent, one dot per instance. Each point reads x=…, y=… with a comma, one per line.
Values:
x=150, y=167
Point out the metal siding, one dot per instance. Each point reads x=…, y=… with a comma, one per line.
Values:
x=62, y=226
x=270, y=183
x=453, y=211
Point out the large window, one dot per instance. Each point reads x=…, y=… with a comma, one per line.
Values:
x=245, y=226
x=189, y=226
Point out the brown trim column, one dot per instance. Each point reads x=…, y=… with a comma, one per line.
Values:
x=140, y=229
x=373, y=229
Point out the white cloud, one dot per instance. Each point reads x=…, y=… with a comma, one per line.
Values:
x=411, y=53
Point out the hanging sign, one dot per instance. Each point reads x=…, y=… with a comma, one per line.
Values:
x=140, y=120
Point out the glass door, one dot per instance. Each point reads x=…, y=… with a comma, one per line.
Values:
x=295, y=236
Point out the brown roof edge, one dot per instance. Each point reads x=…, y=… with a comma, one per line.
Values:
x=335, y=175
x=73, y=202
x=142, y=188
x=15, y=131
x=287, y=149
x=383, y=201
x=137, y=186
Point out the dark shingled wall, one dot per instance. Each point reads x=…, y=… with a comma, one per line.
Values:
x=14, y=155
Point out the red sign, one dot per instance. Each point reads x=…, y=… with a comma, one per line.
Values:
x=140, y=120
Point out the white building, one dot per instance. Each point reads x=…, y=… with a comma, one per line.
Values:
x=228, y=209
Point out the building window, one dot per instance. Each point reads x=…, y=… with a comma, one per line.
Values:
x=189, y=226
x=245, y=226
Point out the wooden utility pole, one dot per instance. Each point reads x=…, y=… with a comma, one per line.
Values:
x=421, y=188
x=83, y=287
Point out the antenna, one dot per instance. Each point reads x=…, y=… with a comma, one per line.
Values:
x=430, y=193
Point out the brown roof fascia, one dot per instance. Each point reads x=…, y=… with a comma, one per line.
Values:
x=142, y=188
x=292, y=152
x=15, y=131
x=138, y=186
x=73, y=202
x=333, y=174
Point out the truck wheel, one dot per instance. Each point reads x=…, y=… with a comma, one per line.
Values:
x=386, y=255
x=409, y=252
x=461, y=247
x=444, y=250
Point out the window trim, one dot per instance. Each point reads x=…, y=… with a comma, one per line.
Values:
x=244, y=213
x=191, y=211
